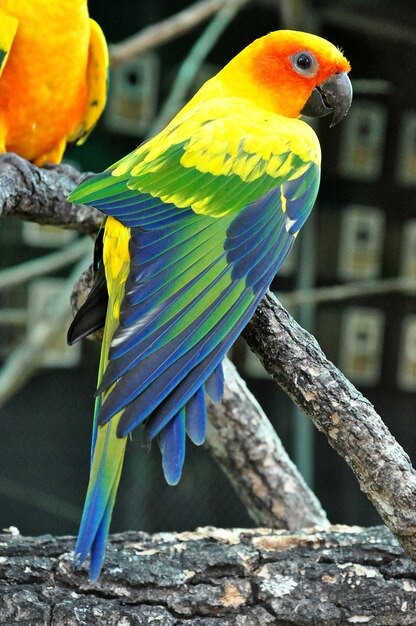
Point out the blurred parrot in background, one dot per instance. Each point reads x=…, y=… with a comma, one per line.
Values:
x=198, y=221
x=53, y=76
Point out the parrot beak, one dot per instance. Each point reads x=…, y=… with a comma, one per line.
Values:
x=332, y=96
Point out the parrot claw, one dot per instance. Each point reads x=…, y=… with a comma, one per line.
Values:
x=25, y=169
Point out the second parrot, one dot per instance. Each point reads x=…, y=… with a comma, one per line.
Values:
x=53, y=76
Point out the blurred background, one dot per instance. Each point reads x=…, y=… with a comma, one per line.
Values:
x=348, y=280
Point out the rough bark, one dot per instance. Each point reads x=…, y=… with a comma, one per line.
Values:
x=213, y=577
x=294, y=359
x=39, y=195
x=245, y=445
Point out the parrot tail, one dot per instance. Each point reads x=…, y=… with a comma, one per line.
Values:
x=107, y=450
x=107, y=462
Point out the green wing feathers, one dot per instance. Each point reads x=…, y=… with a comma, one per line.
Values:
x=220, y=156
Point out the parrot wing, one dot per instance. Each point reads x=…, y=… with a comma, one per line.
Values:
x=97, y=83
x=196, y=273
x=215, y=158
x=8, y=30
x=197, y=270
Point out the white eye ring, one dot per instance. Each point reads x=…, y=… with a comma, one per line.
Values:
x=304, y=63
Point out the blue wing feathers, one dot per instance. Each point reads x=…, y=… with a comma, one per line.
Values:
x=140, y=356
x=161, y=310
x=149, y=244
x=243, y=225
x=155, y=269
x=215, y=384
x=199, y=362
x=168, y=281
x=167, y=221
x=172, y=444
x=297, y=187
x=196, y=417
x=194, y=283
x=156, y=358
x=182, y=391
x=179, y=393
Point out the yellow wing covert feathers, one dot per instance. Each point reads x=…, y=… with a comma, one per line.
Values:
x=221, y=145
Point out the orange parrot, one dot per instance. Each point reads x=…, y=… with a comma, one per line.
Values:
x=53, y=76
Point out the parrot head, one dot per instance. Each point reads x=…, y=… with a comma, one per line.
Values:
x=293, y=74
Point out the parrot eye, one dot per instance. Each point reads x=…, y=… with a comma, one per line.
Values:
x=304, y=63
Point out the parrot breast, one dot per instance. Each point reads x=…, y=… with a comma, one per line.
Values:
x=43, y=91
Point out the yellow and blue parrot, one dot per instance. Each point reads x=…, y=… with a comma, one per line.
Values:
x=198, y=221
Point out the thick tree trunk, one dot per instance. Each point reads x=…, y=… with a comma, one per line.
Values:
x=213, y=577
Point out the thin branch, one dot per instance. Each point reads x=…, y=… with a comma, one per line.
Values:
x=353, y=428
x=38, y=500
x=27, y=356
x=47, y=264
x=166, y=30
x=13, y=317
x=358, y=289
x=370, y=25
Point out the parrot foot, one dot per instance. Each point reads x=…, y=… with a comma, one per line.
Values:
x=25, y=169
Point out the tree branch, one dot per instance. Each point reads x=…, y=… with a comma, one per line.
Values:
x=353, y=428
x=39, y=195
x=27, y=356
x=213, y=577
x=162, y=32
x=245, y=445
x=47, y=264
x=349, y=291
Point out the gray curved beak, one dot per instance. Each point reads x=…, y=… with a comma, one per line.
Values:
x=333, y=96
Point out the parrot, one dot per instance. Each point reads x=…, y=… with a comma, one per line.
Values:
x=197, y=221
x=53, y=77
